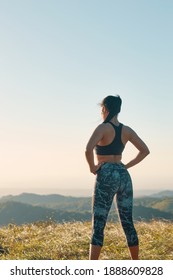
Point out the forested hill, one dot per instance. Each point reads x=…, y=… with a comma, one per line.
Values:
x=28, y=208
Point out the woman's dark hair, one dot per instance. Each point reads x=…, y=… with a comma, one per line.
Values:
x=113, y=106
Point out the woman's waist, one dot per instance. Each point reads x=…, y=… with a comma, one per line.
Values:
x=109, y=158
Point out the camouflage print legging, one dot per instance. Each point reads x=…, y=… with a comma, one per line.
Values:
x=113, y=179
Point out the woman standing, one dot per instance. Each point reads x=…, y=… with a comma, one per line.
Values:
x=112, y=178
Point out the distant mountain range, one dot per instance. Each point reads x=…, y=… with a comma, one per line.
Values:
x=29, y=208
x=162, y=201
x=163, y=194
x=53, y=201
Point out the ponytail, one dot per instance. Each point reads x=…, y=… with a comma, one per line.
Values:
x=113, y=105
x=109, y=117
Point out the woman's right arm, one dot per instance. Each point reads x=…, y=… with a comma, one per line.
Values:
x=141, y=147
x=94, y=139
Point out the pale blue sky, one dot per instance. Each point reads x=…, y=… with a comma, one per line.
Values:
x=58, y=60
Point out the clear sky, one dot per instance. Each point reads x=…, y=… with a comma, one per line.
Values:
x=58, y=60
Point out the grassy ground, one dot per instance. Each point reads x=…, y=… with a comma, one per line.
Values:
x=70, y=241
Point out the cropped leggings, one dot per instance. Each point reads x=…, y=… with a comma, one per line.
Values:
x=113, y=179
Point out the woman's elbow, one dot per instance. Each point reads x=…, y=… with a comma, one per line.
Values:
x=146, y=151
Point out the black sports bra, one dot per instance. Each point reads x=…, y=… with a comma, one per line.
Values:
x=116, y=147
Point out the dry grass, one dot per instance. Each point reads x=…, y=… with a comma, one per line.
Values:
x=70, y=241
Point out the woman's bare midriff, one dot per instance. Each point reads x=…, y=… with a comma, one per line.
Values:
x=109, y=158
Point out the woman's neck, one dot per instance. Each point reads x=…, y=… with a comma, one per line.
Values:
x=114, y=120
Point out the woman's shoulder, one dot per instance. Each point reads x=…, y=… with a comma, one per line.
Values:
x=127, y=129
x=103, y=125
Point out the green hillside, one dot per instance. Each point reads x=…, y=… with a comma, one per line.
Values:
x=162, y=201
x=19, y=213
x=159, y=203
x=70, y=241
x=165, y=204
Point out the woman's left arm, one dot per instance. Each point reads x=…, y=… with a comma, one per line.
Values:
x=140, y=145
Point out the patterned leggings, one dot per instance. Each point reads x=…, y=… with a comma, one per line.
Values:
x=113, y=178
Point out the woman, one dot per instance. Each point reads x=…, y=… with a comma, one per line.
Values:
x=109, y=140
